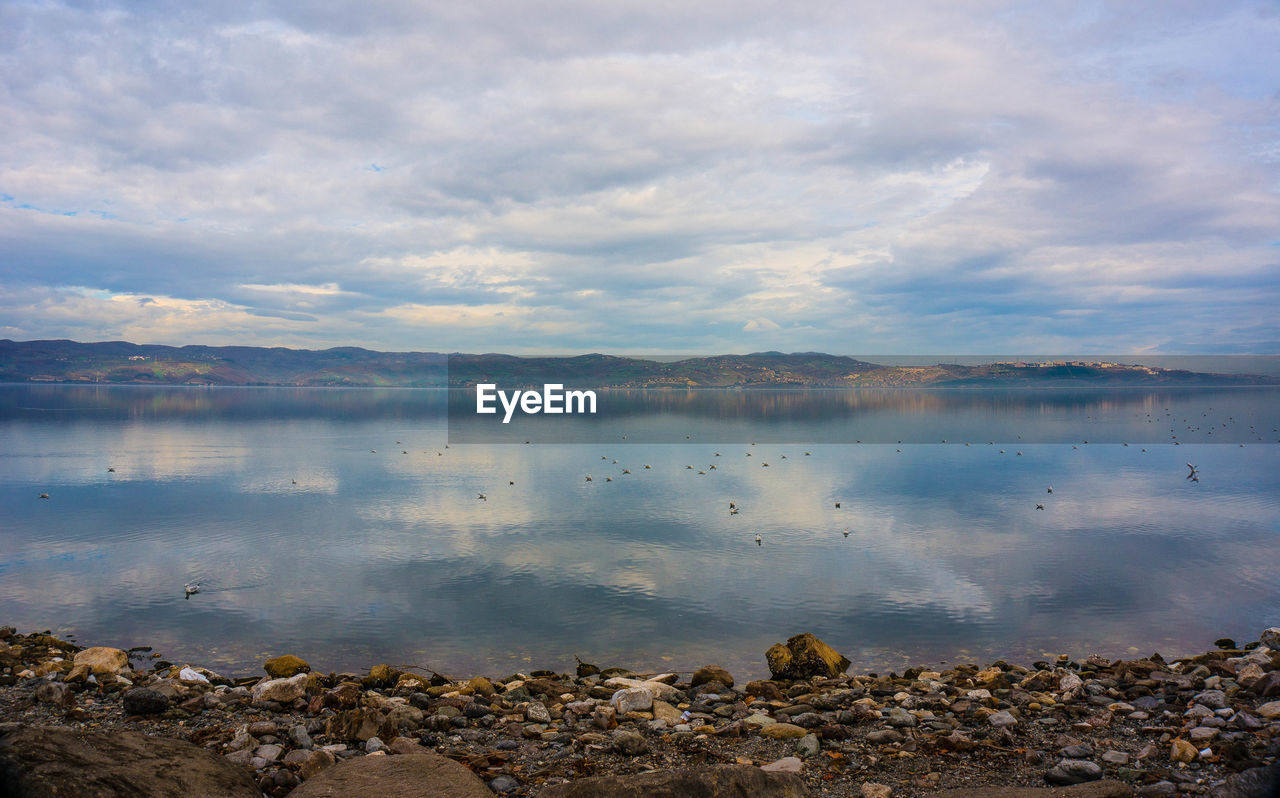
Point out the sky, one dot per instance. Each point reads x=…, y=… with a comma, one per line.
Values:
x=961, y=176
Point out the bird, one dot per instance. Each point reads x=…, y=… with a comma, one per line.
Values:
x=44, y=495
x=648, y=466
x=837, y=505
x=483, y=497
x=511, y=482
x=110, y=470
x=846, y=533
x=758, y=539
x=806, y=454
x=733, y=511
x=191, y=588
x=1039, y=506
x=626, y=471
x=733, y=506
x=588, y=478
x=1050, y=489
x=1194, y=476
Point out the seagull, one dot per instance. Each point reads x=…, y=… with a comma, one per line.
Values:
x=110, y=470
x=588, y=479
x=758, y=539
x=44, y=495
x=846, y=533
x=1194, y=476
x=837, y=505
x=732, y=506
x=483, y=497
x=1039, y=506
x=191, y=588
x=1050, y=489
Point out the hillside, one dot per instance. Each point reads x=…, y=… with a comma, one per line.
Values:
x=125, y=363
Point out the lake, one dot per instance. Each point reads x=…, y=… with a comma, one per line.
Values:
x=346, y=525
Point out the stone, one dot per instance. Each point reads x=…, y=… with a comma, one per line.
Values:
x=629, y=743
x=360, y=725
x=809, y=746
x=381, y=676
x=536, y=711
x=899, y=718
x=1213, y=699
x=270, y=752
x=656, y=688
x=300, y=738
x=1115, y=758
x=1261, y=782
x=631, y=699
x=102, y=660
x=783, y=731
x=345, y=696
x=284, y=666
x=405, y=717
x=373, y=745
x=281, y=691
x=803, y=657
x=1002, y=719
x=55, y=693
x=1093, y=789
x=1073, y=771
x=788, y=764
x=38, y=762
x=316, y=761
x=870, y=789
x=663, y=711
x=1270, y=710
x=141, y=701
x=766, y=690
x=1182, y=751
x=504, y=784
x=711, y=673
x=481, y=686
x=699, y=782
x=425, y=774
x=1270, y=637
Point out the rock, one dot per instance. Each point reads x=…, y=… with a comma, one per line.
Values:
x=631, y=699
x=870, y=789
x=803, y=657
x=359, y=724
x=40, y=762
x=536, y=711
x=381, y=676
x=345, y=696
x=808, y=746
x=711, y=673
x=1182, y=751
x=1115, y=758
x=700, y=782
x=503, y=784
x=55, y=693
x=481, y=686
x=884, y=736
x=629, y=743
x=281, y=691
x=284, y=666
x=261, y=727
x=783, y=731
x=405, y=717
x=425, y=774
x=899, y=718
x=317, y=761
x=656, y=689
x=1094, y=789
x=1270, y=710
x=141, y=701
x=1263, y=782
x=300, y=738
x=1073, y=771
x=270, y=752
x=373, y=745
x=1270, y=637
x=1213, y=699
x=663, y=711
x=102, y=660
x=766, y=690
x=1002, y=719
x=788, y=764
x=1265, y=685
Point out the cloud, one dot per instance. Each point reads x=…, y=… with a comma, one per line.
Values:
x=926, y=177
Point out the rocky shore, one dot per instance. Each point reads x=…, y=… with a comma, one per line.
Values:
x=101, y=721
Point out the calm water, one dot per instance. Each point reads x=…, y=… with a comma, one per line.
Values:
x=307, y=541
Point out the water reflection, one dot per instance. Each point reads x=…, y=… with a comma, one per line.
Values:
x=348, y=536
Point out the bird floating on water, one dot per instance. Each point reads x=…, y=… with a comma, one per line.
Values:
x=191, y=588
x=1050, y=489
x=483, y=497
x=44, y=495
x=846, y=533
x=110, y=470
x=758, y=539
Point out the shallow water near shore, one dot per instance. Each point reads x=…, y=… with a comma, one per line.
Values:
x=335, y=524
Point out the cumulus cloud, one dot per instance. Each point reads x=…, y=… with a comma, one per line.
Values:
x=978, y=176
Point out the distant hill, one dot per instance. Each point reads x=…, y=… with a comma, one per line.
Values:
x=125, y=363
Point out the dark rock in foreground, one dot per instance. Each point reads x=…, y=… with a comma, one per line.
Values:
x=45, y=762
x=424, y=775
x=1097, y=789
x=722, y=781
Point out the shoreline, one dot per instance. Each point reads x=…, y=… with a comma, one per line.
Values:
x=1142, y=726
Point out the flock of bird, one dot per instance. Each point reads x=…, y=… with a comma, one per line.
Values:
x=192, y=588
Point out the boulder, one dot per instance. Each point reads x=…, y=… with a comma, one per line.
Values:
x=282, y=691
x=417, y=776
x=711, y=673
x=141, y=701
x=42, y=762
x=702, y=782
x=102, y=660
x=804, y=657
x=359, y=724
x=1263, y=782
x=284, y=666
